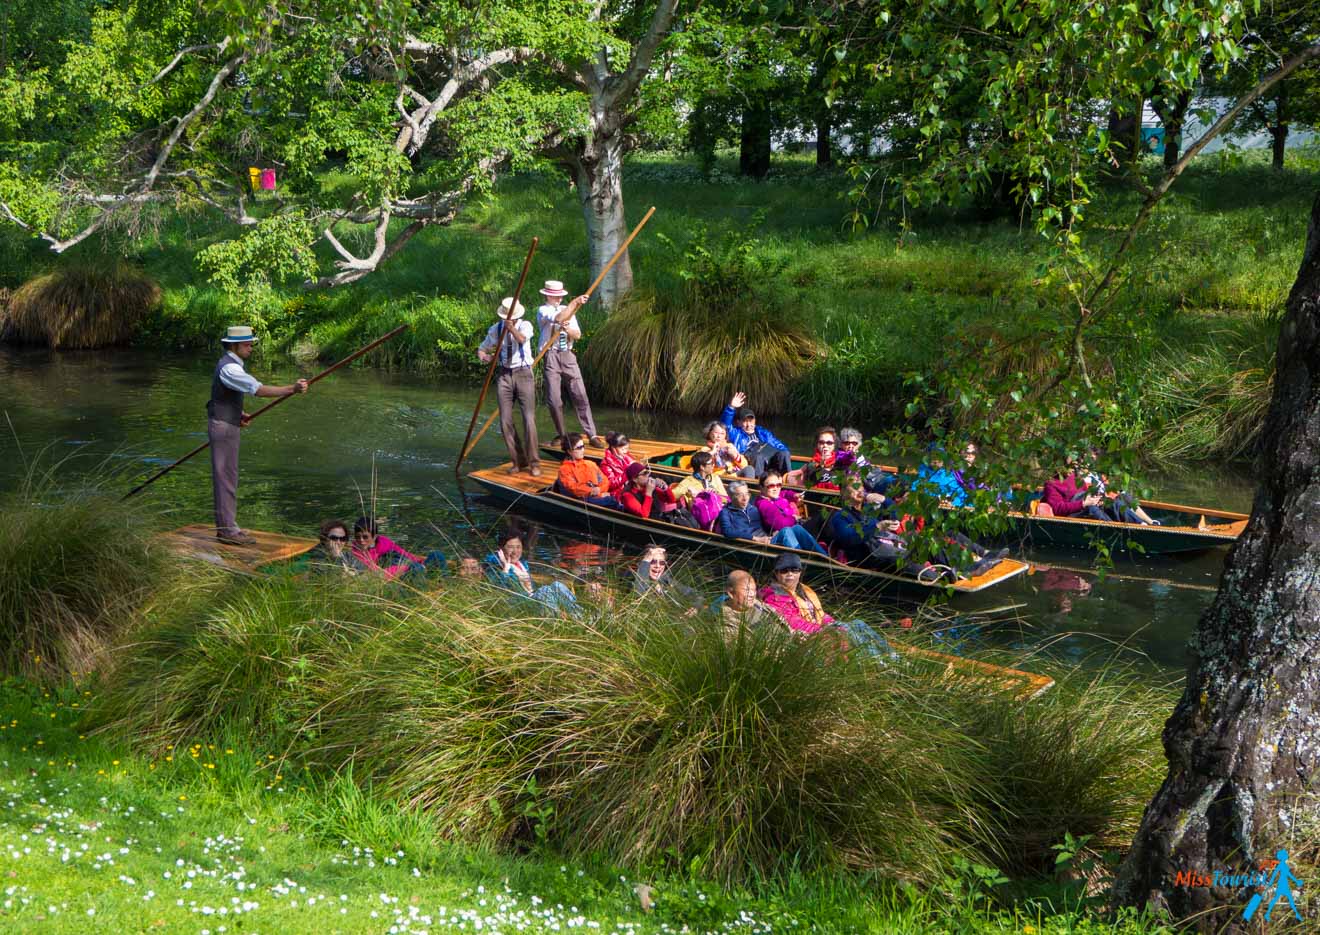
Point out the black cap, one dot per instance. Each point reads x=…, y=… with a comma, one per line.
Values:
x=788, y=562
x=745, y=413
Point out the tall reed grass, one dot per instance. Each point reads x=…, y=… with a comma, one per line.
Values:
x=77, y=567
x=79, y=307
x=642, y=739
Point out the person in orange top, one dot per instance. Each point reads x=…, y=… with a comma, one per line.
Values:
x=581, y=478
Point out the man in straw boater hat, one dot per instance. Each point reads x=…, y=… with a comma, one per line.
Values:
x=559, y=329
x=224, y=417
x=514, y=383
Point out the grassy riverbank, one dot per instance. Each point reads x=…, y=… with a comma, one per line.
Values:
x=1210, y=274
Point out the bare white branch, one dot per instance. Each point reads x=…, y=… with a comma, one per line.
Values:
x=218, y=46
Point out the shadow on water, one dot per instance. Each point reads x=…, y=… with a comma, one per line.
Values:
x=364, y=438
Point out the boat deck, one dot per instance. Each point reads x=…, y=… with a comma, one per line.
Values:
x=199, y=541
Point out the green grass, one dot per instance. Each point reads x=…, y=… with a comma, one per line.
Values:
x=94, y=836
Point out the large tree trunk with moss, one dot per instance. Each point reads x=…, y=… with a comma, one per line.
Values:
x=1278, y=142
x=1243, y=743
x=754, y=152
x=598, y=175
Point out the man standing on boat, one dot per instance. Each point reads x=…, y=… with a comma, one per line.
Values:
x=514, y=383
x=224, y=417
x=559, y=329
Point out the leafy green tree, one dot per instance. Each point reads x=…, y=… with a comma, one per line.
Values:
x=1241, y=743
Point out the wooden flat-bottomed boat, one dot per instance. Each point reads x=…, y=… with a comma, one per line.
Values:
x=199, y=542
x=1183, y=528
x=535, y=497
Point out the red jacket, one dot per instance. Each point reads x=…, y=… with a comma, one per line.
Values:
x=634, y=502
x=582, y=478
x=614, y=465
x=1060, y=494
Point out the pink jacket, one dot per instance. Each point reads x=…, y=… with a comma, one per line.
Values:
x=613, y=466
x=388, y=556
x=803, y=614
x=780, y=513
x=1059, y=495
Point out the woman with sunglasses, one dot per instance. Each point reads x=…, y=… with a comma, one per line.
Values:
x=581, y=478
x=780, y=511
x=644, y=495
x=615, y=463
x=652, y=579
x=386, y=555
x=820, y=472
x=332, y=552
x=801, y=609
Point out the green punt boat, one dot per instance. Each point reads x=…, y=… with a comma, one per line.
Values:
x=1182, y=528
x=535, y=497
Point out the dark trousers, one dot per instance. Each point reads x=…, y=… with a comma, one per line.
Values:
x=762, y=457
x=562, y=373
x=518, y=385
x=224, y=439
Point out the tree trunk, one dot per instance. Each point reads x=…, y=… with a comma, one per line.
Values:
x=1125, y=136
x=754, y=153
x=824, y=155
x=1278, y=140
x=1173, y=115
x=1243, y=743
x=598, y=173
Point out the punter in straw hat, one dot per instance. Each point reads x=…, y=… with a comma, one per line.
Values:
x=224, y=417
x=559, y=329
x=514, y=383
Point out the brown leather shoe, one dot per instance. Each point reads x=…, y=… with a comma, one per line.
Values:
x=514, y=469
x=534, y=470
x=597, y=441
x=236, y=538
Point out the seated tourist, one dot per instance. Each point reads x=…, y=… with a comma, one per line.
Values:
x=758, y=445
x=581, y=478
x=820, y=472
x=332, y=552
x=469, y=567
x=936, y=480
x=728, y=460
x=1067, y=494
x=616, y=461
x=780, y=511
x=877, y=482
x=865, y=539
x=507, y=568
x=739, y=519
x=702, y=491
x=801, y=609
x=652, y=579
x=649, y=497
x=382, y=553
x=741, y=609
x=1119, y=506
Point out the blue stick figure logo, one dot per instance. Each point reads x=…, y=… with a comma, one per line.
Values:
x=1283, y=881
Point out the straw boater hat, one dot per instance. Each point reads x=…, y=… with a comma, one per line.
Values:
x=518, y=310
x=238, y=334
x=553, y=287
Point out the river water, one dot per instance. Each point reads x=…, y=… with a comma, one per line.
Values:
x=365, y=437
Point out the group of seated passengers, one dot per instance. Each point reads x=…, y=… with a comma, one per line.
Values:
x=369, y=551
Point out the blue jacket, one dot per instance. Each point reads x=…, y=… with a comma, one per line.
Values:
x=942, y=483
x=741, y=440
x=848, y=529
x=740, y=524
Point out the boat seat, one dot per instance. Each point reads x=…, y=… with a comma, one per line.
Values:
x=1041, y=508
x=685, y=463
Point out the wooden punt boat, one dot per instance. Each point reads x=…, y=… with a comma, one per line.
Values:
x=1022, y=685
x=199, y=542
x=1183, y=528
x=534, y=496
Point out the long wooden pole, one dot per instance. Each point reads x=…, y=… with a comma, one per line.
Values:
x=495, y=358
x=608, y=266
x=269, y=406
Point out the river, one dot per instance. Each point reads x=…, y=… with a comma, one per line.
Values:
x=365, y=437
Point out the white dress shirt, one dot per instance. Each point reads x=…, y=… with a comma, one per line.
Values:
x=512, y=355
x=235, y=377
x=545, y=315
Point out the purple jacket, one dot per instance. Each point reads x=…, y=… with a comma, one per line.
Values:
x=778, y=514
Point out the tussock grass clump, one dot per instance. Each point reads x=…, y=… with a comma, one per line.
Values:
x=80, y=307
x=77, y=568
x=641, y=739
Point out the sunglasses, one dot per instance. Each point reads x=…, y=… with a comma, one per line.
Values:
x=579, y=447
x=658, y=563
x=771, y=486
x=337, y=538
x=824, y=443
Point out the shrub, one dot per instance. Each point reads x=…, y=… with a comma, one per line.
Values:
x=727, y=329
x=76, y=568
x=80, y=307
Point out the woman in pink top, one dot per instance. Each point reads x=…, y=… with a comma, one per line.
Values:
x=615, y=463
x=779, y=515
x=1066, y=493
x=384, y=553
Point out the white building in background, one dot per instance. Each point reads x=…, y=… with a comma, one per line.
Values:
x=1194, y=127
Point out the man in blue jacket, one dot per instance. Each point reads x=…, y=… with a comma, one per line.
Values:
x=763, y=451
x=739, y=519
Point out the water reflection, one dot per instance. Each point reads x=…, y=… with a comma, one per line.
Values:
x=372, y=442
